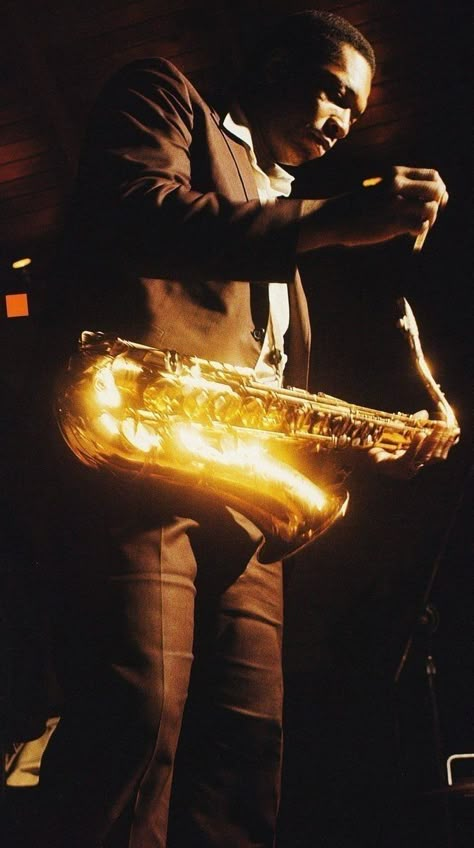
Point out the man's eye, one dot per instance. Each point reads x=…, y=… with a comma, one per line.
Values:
x=335, y=94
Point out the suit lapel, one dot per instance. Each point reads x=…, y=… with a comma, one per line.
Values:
x=239, y=154
x=298, y=339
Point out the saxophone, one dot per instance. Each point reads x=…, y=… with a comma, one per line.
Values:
x=196, y=423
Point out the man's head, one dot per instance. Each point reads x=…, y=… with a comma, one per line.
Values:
x=305, y=85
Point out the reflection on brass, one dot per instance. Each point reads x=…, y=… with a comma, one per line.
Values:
x=197, y=423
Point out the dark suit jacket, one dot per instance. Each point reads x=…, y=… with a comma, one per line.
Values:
x=166, y=230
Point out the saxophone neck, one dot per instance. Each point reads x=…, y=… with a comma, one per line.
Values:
x=409, y=326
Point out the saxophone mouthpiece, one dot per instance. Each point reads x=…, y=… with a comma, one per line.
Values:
x=408, y=325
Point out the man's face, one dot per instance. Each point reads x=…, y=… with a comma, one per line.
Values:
x=303, y=122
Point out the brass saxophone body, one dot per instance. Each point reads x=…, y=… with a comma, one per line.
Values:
x=197, y=423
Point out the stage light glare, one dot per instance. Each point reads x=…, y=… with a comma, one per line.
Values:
x=21, y=263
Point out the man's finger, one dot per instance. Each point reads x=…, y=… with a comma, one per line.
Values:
x=420, y=190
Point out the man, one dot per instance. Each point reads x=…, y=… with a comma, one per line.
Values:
x=182, y=236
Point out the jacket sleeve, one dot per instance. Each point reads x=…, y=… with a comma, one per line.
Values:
x=137, y=196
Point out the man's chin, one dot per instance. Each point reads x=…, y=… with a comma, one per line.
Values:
x=302, y=157
x=314, y=156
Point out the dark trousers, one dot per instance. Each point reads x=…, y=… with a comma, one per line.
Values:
x=153, y=620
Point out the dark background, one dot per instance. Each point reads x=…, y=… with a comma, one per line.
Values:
x=367, y=736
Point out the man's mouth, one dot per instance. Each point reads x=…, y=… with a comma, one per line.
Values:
x=319, y=139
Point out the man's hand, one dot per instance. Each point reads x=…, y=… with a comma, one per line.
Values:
x=424, y=450
x=406, y=202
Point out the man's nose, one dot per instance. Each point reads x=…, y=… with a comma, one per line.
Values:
x=338, y=126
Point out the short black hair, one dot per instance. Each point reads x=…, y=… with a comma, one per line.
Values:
x=311, y=38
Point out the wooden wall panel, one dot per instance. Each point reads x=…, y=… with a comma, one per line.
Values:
x=75, y=21
x=13, y=172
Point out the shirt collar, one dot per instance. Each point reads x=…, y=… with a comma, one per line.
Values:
x=236, y=123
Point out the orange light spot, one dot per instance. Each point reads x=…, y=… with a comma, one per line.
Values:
x=21, y=263
x=371, y=181
x=17, y=305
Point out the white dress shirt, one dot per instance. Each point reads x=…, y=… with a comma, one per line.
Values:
x=270, y=185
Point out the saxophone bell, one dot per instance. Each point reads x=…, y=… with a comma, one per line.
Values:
x=131, y=409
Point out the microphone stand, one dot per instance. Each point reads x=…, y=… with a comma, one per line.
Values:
x=426, y=623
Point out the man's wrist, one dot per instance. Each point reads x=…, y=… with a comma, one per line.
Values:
x=317, y=227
